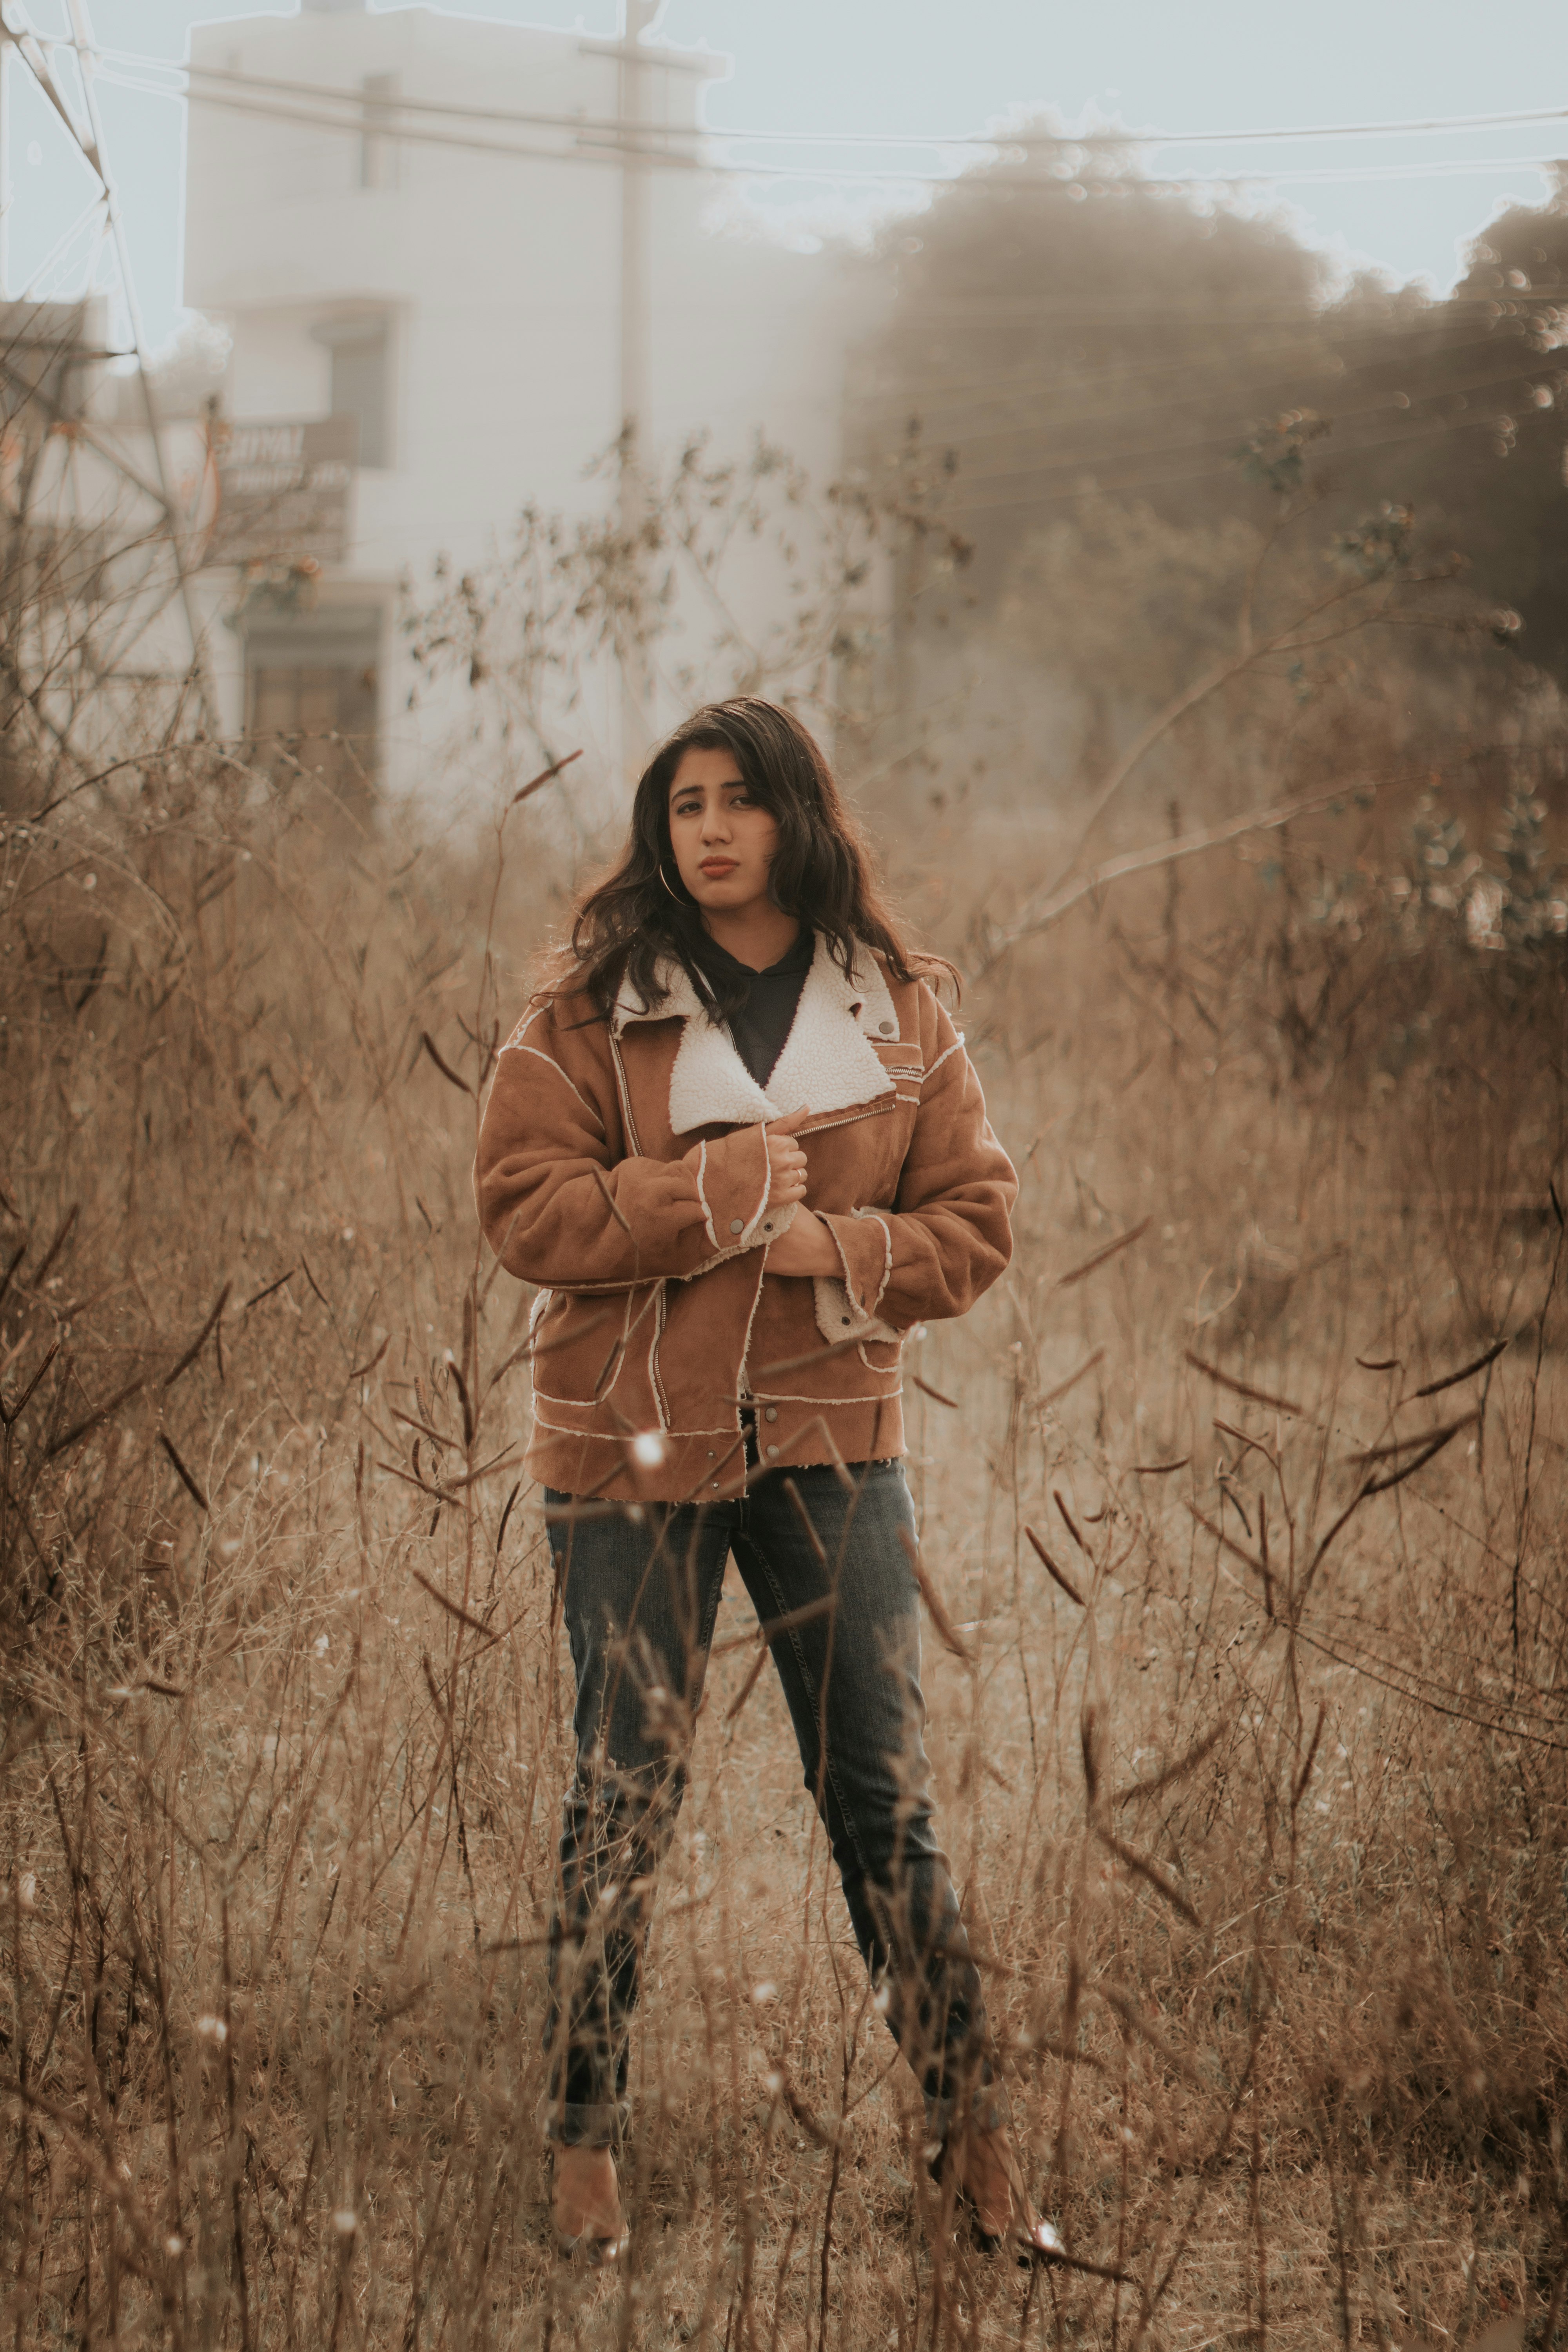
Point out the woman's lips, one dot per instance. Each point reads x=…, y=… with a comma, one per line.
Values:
x=717, y=868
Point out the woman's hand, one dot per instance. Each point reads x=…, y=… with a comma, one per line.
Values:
x=786, y=1160
x=808, y=1247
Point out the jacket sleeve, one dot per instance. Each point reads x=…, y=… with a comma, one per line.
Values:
x=949, y=1233
x=560, y=1207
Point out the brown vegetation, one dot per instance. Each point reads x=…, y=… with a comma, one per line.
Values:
x=1250, y=1746
x=1241, y=1497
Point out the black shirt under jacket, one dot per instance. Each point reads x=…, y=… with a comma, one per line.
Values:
x=761, y=1024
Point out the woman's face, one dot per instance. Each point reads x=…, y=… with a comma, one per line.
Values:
x=723, y=839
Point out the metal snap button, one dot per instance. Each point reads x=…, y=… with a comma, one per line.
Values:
x=887, y=1028
x=737, y=1224
x=772, y=1413
x=772, y=1453
x=710, y=1454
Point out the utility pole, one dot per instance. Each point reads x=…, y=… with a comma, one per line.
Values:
x=637, y=17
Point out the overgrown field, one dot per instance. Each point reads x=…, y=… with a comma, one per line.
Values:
x=1250, y=1742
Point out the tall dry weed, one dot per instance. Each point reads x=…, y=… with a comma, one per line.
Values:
x=1241, y=1497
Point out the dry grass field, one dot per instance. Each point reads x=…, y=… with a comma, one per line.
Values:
x=1250, y=1741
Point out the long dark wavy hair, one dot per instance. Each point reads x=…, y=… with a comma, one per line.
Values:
x=821, y=870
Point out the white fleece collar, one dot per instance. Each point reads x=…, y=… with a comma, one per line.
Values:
x=828, y=1063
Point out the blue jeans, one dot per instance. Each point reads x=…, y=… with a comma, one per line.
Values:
x=640, y=1594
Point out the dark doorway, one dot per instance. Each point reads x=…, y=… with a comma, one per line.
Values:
x=312, y=701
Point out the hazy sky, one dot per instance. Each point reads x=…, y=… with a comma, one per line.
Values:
x=927, y=65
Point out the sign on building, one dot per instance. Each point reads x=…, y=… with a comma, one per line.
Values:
x=283, y=492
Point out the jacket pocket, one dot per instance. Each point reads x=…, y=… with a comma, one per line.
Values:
x=582, y=1344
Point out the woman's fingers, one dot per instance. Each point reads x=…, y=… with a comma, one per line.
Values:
x=787, y=1173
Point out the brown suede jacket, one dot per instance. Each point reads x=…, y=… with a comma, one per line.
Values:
x=622, y=1166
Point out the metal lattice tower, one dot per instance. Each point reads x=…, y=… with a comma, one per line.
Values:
x=97, y=604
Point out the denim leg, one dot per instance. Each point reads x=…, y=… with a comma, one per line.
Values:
x=639, y=1598
x=851, y=1678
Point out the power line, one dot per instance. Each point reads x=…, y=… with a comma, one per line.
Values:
x=1135, y=310
x=527, y=119
x=622, y=139
x=1319, y=342
x=1088, y=458
x=1449, y=167
x=1061, y=422
x=616, y=155
x=1314, y=131
x=959, y=504
x=1046, y=140
x=1027, y=308
x=355, y=126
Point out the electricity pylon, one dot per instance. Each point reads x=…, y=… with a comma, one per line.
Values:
x=96, y=549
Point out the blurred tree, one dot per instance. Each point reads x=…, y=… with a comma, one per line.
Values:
x=1125, y=612
x=1073, y=343
x=1138, y=601
x=1079, y=345
x=1465, y=408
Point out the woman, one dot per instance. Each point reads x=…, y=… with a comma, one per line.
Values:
x=738, y=1143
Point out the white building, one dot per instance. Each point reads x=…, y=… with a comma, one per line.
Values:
x=427, y=222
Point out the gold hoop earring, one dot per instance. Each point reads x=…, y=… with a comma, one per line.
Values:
x=674, y=893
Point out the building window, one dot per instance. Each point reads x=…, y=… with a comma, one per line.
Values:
x=377, y=148
x=361, y=356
